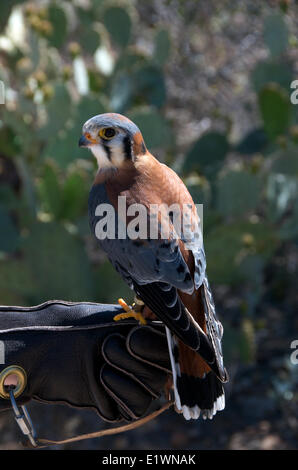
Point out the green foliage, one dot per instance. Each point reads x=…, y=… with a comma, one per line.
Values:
x=239, y=344
x=63, y=147
x=150, y=85
x=229, y=246
x=107, y=281
x=50, y=191
x=118, y=23
x=58, y=112
x=64, y=201
x=121, y=92
x=89, y=40
x=58, y=21
x=17, y=286
x=238, y=193
x=253, y=142
x=162, y=47
x=276, y=34
x=207, y=154
x=279, y=72
x=8, y=142
x=272, y=71
x=9, y=237
x=57, y=263
x=285, y=161
x=289, y=229
x=276, y=110
x=144, y=85
x=154, y=127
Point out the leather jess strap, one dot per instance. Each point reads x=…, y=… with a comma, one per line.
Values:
x=105, y=432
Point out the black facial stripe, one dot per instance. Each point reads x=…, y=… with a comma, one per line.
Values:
x=127, y=147
x=108, y=151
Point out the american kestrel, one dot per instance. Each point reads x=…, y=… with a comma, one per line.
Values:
x=168, y=274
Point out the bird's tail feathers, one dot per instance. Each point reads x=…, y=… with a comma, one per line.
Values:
x=195, y=395
x=164, y=301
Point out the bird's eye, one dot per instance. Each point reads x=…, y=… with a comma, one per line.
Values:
x=107, y=133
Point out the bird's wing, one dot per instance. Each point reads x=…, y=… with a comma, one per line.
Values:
x=157, y=270
x=160, y=259
x=146, y=259
x=163, y=300
x=213, y=326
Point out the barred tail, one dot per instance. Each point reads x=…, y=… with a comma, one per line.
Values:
x=198, y=392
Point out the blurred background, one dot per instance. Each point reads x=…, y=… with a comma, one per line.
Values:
x=209, y=85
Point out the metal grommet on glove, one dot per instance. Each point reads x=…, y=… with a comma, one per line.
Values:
x=22, y=381
x=11, y=392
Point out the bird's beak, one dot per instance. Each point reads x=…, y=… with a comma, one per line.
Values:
x=84, y=142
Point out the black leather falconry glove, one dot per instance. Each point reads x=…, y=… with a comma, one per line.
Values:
x=74, y=353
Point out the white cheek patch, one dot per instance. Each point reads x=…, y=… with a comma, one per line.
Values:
x=101, y=156
x=117, y=156
x=116, y=153
x=116, y=147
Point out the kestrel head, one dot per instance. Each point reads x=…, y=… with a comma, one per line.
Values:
x=113, y=139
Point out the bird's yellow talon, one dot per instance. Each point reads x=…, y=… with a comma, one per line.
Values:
x=124, y=305
x=138, y=316
x=129, y=313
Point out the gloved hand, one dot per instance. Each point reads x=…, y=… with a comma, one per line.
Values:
x=74, y=353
